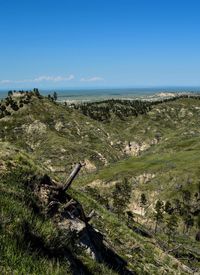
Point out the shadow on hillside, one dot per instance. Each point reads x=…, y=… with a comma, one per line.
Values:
x=102, y=253
x=37, y=244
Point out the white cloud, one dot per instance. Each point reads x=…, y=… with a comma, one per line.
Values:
x=91, y=79
x=54, y=78
x=48, y=78
x=40, y=79
x=6, y=81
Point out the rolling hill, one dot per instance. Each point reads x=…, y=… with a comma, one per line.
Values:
x=135, y=155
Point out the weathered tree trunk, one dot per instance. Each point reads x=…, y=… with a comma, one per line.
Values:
x=72, y=176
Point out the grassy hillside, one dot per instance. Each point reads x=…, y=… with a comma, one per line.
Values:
x=32, y=243
x=154, y=153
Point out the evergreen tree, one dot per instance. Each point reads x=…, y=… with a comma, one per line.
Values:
x=188, y=221
x=158, y=213
x=171, y=225
x=186, y=195
x=55, y=96
x=177, y=207
x=198, y=227
x=143, y=201
x=14, y=106
x=198, y=222
x=121, y=196
x=36, y=92
x=168, y=208
x=130, y=216
x=10, y=93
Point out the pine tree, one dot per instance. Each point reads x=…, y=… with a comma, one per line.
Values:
x=55, y=96
x=171, y=225
x=168, y=208
x=143, y=201
x=130, y=216
x=198, y=222
x=10, y=93
x=36, y=92
x=158, y=213
x=188, y=221
x=177, y=206
x=186, y=195
x=121, y=197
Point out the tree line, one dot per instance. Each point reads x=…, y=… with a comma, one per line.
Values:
x=106, y=109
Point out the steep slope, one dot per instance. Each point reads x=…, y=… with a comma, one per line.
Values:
x=36, y=243
x=38, y=239
x=57, y=135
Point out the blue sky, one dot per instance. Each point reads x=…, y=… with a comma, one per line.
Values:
x=99, y=43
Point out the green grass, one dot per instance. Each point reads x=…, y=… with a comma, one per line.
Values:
x=16, y=211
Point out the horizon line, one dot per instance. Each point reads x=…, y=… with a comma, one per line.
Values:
x=103, y=87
